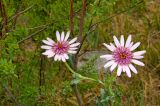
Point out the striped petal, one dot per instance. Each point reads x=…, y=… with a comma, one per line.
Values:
x=128, y=72
x=109, y=47
x=138, y=57
x=63, y=59
x=108, y=64
x=116, y=41
x=135, y=46
x=67, y=36
x=50, y=40
x=73, y=40
x=72, y=52
x=119, y=71
x=74, y=44
x=58, y=35
x=46, y=47
x=56, y=57
x=62, y=36
x=51, y=55
x=66, y=56
x=48, y=52
x=139, y=53
x=73, y=48
x=122, y=40
x=128, y=41
x=138, y=62
x=47, y=42
x=113, y=67
x=133, y=68
x=112, y=46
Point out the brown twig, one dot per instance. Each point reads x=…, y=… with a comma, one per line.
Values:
x=93, y=26
x=41, y=74
x=131, y=7
x=4, y=18
x=71, y=16
x=19, y=13
x=11, y=95
x=81, y=22
x=74, y=86
x=33, y=34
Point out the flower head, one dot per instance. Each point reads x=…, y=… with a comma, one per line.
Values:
x=122, y=56
x=60, y=49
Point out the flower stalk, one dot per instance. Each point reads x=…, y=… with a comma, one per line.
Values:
x=81, y=76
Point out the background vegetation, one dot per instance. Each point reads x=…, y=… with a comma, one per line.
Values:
x=29, y=79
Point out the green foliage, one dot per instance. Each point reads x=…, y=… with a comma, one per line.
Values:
x=33, y=79
x=7, y=69
x=67, y=90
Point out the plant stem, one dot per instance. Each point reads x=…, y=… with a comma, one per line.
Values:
x=80, y=76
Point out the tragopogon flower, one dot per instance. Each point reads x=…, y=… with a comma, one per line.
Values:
x=123, y=56
x=60, y=49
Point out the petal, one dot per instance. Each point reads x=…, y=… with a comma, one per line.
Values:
x=109, y=64
x=109, y=47
x=119, y=71
x=59, y=57
x=116, y=41
x=58, y=35
x=138, y=62
x=123, y=68
x=56, y=57
x=48, y=52
x=73, y=48
x=106, y=56
x=67, y=36
x=63, y=59
x=73, y=40
x=72, y=52
x=138, y=57
x=131, y=44
x=133, y=68
x=62, y=36
x=111, y=44
x=74, y=44
x=47, y=42
x=139, y=53
x=51, y=55
x=122, y=40
x=113, y=67
x=50, y=40
x=66, y=56
x=128, y=41
x=46, y=47
x=135, y=46
x=128, y=72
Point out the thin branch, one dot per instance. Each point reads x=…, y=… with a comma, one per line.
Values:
x=19, y=13
x=32, y=35
x=71, y=16
x=81, y=22
x=4, y=18
x=93, y=26
x=11, y=95
x=101, y=21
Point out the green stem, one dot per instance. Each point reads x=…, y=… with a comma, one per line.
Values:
x=80, y=76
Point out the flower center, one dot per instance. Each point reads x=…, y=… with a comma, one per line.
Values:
x=122, y=55
x=60, y=47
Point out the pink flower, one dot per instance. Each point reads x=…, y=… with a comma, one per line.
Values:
x=123, y=56
x=60, y=49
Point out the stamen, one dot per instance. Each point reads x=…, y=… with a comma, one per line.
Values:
x=122, y=55
x=60, y=47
